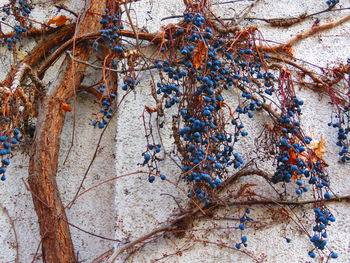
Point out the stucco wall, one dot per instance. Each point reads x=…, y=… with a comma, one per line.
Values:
x=131, y=207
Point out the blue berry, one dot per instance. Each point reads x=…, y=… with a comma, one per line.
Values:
x=311, y=254
x=118, y=49
x=6, y=161
x=334, y=255
x=327, y=195
x=151, y=178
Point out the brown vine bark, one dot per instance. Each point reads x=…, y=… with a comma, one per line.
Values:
x=57, y=246
x=56, y=240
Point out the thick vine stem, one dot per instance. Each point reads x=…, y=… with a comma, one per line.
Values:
x=40, y=51
x=57, y=244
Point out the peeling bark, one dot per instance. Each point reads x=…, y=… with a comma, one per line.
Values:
x=57, y=243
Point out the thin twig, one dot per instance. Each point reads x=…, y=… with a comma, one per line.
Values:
x=106, y=68
x=6, y=212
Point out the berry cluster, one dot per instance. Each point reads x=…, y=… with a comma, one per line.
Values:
x=342, y=125
x=11, y=41
x=129, y=83
x=207, y=68
x=150, y=158
x=9, y=138
x=245, y=218
x=323, y=217
x=294, y=159
x=194, y=85
x=111, y=24
x=152, y=150
x=21, y=10
x=106, y=111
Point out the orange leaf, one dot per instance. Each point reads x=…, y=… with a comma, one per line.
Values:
x=66, y=107
x=58, y=21
x=319, y=148
x=199, y=53
x=293, y=157
x=151, y=110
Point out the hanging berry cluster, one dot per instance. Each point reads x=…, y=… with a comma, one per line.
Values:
x=111, y=24
x=199, y=65
x=9, y=138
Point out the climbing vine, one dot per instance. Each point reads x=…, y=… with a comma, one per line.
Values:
x=210, y=77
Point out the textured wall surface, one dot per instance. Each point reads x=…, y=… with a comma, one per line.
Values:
x=128, y=208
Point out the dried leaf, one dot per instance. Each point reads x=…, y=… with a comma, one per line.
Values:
x=319, y=147
x=58, y=21
x=151, y=110
x=66, y=107
x=199, y=53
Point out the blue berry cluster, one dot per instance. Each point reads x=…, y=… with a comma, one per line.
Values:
x=111, y=24
x=196, y=87
x=106, y=111
x=342, y=125
x=151, y=155
x=8, y=139
x=11, y=41
x=149, y=158
x=323, y=217
x=129, y=83
x=296, y=161
x=23, y=9
x=292, y=152
x=245, y=218
x=151, y=152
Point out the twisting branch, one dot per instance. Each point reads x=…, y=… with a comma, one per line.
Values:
x=57, y=245
x=312, y=31
x=40, y=51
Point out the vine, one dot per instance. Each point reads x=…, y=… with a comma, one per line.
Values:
x=211, y=78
